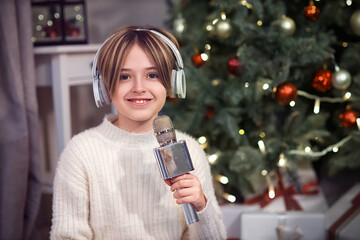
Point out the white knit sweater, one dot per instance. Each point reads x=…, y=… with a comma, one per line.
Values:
x=108, y=186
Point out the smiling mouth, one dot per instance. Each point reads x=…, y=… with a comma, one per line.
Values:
x=139, y=102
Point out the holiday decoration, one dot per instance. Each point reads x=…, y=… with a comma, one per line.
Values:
x=59, y=22
x=233, y=66
x=223, y=28
x=285, y=93
x=348, y=118
x=210, y=111
x=197, y=60
x=341, y=79
x=286, y=25
x=179, y=25
x=355, y=22
x=311, y=12
x=259, y=51
x=322, y=80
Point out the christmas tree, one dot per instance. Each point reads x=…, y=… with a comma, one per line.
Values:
x=270, y=83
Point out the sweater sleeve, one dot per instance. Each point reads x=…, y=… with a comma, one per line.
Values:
x=210, y=225
x=71, y=198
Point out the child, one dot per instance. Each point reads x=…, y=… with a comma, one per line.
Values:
x=107, y=183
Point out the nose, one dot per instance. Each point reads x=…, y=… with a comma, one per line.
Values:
x=139, y=85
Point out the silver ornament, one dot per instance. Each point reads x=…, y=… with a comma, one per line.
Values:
x=179, y=25
x=286, y=24
x=355, y=22
x=223, y=28
x=341, y=79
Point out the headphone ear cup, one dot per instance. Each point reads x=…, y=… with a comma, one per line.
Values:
x=173, y=84
x=104, y=94
x=101, y=95
x=179, y=84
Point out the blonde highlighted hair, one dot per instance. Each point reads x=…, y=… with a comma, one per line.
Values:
x=116, y=48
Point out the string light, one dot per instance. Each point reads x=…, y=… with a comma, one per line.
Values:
x=347, y=96
x=282, y=160
x=229, y=197
x=222, y=179
x=317, y=106
x=241, y=131
x=266, y=86
x=262, y=146
x=204, y=57
x=326, y=99
x=323, y=152
x=271, y=192
x=358, y=123
x=202, y=140
x=213, y=158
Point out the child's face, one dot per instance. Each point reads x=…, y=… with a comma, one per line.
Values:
x=140, y=95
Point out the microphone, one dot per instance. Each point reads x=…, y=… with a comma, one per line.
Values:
x=173, y=158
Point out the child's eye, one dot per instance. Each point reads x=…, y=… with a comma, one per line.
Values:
x=124, y=77
x=153, y=75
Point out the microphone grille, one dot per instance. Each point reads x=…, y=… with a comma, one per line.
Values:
x=164, y=130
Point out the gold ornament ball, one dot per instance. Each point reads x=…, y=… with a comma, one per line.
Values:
x=223, y=28
x=286, y=24
x=341, y=79
x=355, y=22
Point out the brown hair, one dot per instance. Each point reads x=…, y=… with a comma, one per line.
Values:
x=116, y=48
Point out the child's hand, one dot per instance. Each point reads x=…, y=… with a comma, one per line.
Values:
x=187, y=189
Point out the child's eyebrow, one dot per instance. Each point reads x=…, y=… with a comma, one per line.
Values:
x=129, y=69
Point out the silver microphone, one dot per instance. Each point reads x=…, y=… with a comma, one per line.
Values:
x=173, y=158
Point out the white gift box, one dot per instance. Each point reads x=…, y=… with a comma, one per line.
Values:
x=303, y=194
x=282, y=226
x=308, y=203
x=343, y=218
x=231, y=215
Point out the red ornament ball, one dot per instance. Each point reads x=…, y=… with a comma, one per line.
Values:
x=322, y=80
x=233, y=66
x=197, y=60
x=210, y=111
x=311, y=12
x=348, y=118
x=285, y=93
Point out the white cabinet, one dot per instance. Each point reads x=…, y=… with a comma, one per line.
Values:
x=62, y=69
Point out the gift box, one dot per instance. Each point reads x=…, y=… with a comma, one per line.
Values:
x=282, y=226
x=343, y=218
x=231, y=216
x=294, y=188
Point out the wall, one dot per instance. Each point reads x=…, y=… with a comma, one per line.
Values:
x=106, y=16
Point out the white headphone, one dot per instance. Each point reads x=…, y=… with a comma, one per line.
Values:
x=178, y=82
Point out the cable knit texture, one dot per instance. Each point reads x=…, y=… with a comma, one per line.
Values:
x=108, y=186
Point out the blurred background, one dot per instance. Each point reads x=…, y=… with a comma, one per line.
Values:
x=273, y=96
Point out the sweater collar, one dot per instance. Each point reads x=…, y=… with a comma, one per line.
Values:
x=125, y=138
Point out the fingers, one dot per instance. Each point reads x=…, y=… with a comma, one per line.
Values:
x=187, y=189
x=184, y=181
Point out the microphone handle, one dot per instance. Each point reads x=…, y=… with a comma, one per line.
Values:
x=190, y=213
